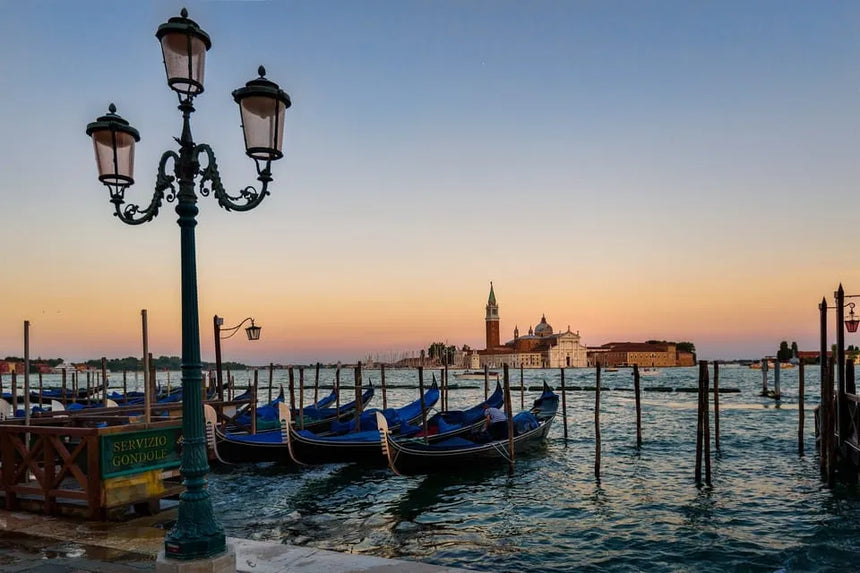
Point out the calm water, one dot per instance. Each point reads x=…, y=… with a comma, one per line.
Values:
x=767, y=509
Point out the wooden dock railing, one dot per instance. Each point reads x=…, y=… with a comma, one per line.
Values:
x=56, y=469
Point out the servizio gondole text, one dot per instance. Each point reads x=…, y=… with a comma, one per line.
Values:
x=139, y=450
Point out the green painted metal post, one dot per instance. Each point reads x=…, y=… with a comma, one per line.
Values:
x=196, y=533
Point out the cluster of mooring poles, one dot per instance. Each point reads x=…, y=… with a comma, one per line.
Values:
x=838, y=414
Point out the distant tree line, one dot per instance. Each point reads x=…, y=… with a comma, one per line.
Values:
x=679, y=346
x=130, y=363
x=442, y=352
x=786, y=353
x=160, y=363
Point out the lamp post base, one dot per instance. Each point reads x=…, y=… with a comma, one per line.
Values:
x=221, y=563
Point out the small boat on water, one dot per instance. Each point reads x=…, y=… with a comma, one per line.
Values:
x=649, y=372
x=317, y=417
x=475, y=374
x=363, y=447
x=414, y=456
x=275, y=445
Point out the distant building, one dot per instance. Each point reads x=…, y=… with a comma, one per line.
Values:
x=540, y=348
x=8, y=366
x=641, y=353
x=811, y=356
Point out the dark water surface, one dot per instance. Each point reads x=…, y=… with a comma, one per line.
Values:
x=767, y=509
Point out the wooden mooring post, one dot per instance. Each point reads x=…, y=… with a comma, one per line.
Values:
x=441, y=387
x=523, y=388
x=301, y=412
x=337, y=393
x=800, y=409
x=254, y=404
x=445, y=405
x=776, y=385
x=317, y=384
x=764, y=376
x=831, y=425
x=271, y=379
x=486, y=381
x=716, y=405
x=384, y=397
x=358, y=405
x=638, y=406
x=597, y=423
x=104, y=382
x=822, y=409
x=292, y=388
x=423, y=405
x=510, y=415
x=563, y=405
x=703, y=434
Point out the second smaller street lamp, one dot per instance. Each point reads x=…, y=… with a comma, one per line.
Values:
x=852, y=322
x=253, y=333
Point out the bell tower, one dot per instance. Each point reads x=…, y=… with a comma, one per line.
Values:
x=492, y=320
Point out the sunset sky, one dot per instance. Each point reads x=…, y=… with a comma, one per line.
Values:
x=633, y=169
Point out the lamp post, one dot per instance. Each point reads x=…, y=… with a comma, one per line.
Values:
x=262, y=104
x=252, y=331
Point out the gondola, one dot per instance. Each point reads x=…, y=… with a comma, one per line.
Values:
x=363, y=447
x=267, y=416
x=320, y=419
x=276, y=445
x=405, y=415
x=268, y=446
x=81, y=395
x=546, y=405
x=406, y=457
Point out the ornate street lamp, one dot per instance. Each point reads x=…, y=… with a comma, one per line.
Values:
x=852, y=321
x=262, y=104
x=252, y=331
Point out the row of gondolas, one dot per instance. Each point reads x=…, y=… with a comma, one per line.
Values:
x=67, y=400
x=408, y=439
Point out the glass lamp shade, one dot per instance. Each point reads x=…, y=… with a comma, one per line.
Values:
x=253, y=331
x=184, y=46
x=261, y=106
x=851, y=323
x=113, y=142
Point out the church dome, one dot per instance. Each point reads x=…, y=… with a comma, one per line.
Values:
x=543, y=329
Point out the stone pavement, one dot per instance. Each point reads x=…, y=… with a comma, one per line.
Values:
x=38, y=544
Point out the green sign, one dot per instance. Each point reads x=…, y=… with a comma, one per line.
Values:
x=135, y=452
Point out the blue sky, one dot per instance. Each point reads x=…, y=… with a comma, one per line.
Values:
x=629, y=168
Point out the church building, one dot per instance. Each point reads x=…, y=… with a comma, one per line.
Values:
x=540, y=348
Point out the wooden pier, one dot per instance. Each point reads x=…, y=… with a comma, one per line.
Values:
x=96, y=463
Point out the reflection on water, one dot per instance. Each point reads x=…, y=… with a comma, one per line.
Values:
x=767, y=509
